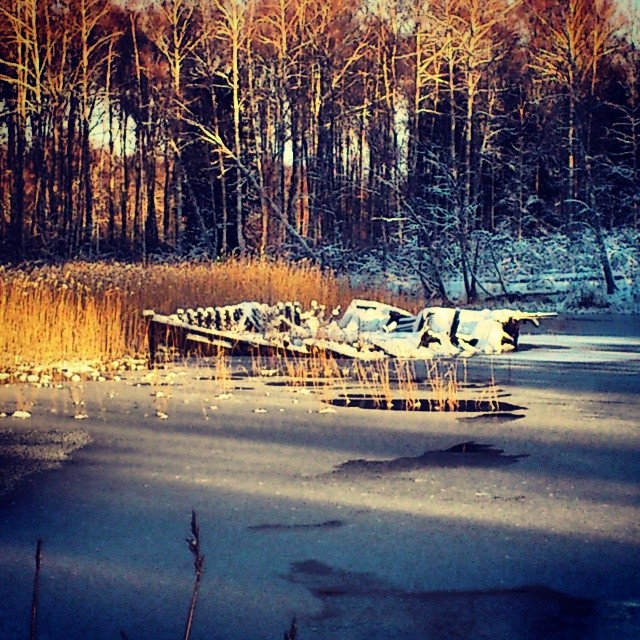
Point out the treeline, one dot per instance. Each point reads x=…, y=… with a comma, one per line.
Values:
x=253, y=125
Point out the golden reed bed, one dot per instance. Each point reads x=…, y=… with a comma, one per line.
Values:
x=84, y=311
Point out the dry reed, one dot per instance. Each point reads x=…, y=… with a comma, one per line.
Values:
x=198, y=569
x=490, y=395
x=407, y=383
x=92, y=312
x=375, y=377
x=386, y=381
x=444, y=387
x=320, y=371
x=35, y=596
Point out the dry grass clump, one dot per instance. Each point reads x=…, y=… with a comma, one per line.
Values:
x=408, y=384
x=319, y=371
x=395, y=383
x=83, y=311
x=375, y=376
x=49, y=315
x=392, y=383
x=491, y=393
x=386, y=380
x=444, y=387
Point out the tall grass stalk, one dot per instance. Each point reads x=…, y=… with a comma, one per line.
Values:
x=35, y=596
x=222, y=368
x=407, y=384
x=491, y=394
x=375, y=377
x=198, y=567
x=444, y=387
x=292, y=633
x=320, y=370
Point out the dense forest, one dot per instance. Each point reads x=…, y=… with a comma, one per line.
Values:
x=130, y=129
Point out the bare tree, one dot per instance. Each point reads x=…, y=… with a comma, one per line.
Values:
x=18, y=73
x=573, y=38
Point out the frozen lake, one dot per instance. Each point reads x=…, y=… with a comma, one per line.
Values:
x=362, y=523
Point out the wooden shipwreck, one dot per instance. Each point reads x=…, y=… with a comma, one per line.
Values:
x=366, y=330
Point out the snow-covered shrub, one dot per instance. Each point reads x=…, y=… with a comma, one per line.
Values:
x=559, y=270
x=626, y=299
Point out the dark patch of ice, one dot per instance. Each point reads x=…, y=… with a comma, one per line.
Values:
x=279, y=526
x=464, y=454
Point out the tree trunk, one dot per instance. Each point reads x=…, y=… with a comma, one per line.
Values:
x=151, y=224
x=138, y=235
x=69, y=172
x=604, y=258
x=17, y=164
x=111, y=187
x=237, y=143
x=124, y=193
x=87, y=232
x=296, y=161
x=166, y=196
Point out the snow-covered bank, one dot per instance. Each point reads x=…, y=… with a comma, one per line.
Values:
x=550, y=272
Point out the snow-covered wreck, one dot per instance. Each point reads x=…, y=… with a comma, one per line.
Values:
x=366, y=329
